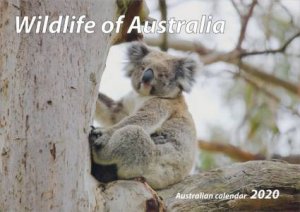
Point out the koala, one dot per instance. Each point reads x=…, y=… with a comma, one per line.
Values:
x=150, y=132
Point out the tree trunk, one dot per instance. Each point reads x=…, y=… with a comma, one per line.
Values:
x=47, y=95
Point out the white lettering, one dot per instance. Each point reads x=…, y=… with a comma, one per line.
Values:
x=135, y=24
x=111, y=26
x=24, y=24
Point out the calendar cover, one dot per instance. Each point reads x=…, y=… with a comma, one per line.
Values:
x=149, y=105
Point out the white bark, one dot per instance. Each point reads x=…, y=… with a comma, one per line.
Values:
x=47, y=92
x=131, y=196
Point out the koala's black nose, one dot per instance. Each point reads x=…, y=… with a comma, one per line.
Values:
x=148, y=76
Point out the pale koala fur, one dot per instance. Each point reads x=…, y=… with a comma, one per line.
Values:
x=149, y=133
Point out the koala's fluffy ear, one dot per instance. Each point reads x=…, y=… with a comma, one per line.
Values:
x=136, y=51
x=185, y=73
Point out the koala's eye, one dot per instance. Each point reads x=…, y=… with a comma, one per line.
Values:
x=163, y=75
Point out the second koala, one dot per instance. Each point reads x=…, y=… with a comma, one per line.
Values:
x=149, y=133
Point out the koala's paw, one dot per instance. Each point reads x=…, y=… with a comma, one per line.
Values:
x=160, y=138
x=95, y=133
x=98, y=138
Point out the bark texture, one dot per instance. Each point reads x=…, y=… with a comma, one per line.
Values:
x=239, y=178
x=48, y=89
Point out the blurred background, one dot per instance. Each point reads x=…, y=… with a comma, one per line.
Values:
x=246, y=101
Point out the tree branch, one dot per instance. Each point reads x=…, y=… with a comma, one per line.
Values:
x=268, y=93
x=240, y=178
x=163, y=12
x=240, y=155
x=237, y=179
x=260, y=88
x=209, y=56
x=273, y=51
x=244, y=24
x=259, y=73
x=229, y=150
x=236, y=8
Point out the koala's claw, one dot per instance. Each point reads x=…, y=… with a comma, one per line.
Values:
x=95, y=134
